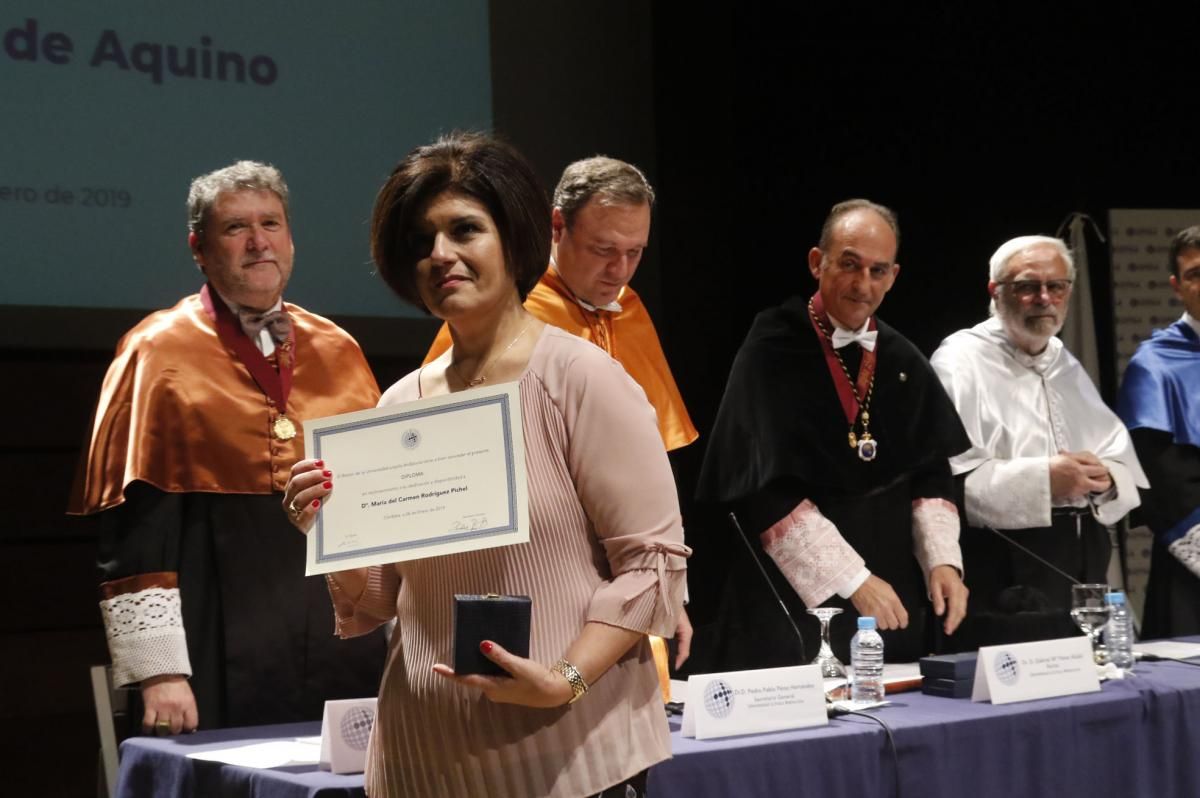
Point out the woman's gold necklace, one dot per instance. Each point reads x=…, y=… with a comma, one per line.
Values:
x=481, y=377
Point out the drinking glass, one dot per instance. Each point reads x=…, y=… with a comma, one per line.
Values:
x=1090, y=613
x=831, y=666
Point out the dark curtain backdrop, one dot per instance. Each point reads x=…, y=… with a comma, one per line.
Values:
x=973, y=129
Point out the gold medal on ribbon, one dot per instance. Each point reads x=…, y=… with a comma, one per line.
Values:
x=283, y=428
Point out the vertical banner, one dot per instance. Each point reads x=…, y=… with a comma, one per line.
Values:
x=1079, y=332
x=1142, y=297
x=1142, y=302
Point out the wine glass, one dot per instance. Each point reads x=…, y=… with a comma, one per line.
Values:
x=831, y=666
x=1090, y=613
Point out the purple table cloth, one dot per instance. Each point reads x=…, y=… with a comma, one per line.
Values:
x=1137, y=737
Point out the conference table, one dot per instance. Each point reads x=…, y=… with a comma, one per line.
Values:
x=1139, y=736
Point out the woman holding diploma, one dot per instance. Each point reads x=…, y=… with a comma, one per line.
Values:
x=461, y=229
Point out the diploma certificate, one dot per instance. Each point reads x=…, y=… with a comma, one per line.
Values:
x=426, y=478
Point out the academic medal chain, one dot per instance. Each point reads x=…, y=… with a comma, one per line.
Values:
x=275, y=383
x=283, y=428
x=866, y=445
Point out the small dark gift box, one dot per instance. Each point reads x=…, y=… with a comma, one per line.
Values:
x=501, y=619
x=950, y=666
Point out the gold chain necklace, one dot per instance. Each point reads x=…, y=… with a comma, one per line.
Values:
x=864, y=405
x=482, y=375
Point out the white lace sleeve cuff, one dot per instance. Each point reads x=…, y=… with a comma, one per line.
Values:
x=1187, y=550
x=1009, y=494
x=811, y=553
x=935, y=535
x=145, y=635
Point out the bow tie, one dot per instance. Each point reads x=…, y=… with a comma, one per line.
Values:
x=864, y=338
x=276, y=322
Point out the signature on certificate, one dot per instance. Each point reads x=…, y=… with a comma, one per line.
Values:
x=348, y=541
x=470, y=523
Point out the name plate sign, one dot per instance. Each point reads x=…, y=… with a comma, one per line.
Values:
x=345, y=731
x=1044, y=669
x=752, y=702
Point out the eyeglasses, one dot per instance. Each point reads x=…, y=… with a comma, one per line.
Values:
x=1029, y=289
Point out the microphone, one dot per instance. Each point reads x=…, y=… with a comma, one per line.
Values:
x=1040, y=559
x=1140, y=657
x=770, y=584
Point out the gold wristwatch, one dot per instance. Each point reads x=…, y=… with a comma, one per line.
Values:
x=573, y=677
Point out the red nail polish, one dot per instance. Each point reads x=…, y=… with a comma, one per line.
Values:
x=486, y=646
x=316, y=503
x=320, y=464
x=327, y=485
x=326, y=473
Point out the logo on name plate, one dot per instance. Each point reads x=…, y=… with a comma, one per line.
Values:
x=1007, y=669
x=356, y=727
x=410, y=439
x=718, y=698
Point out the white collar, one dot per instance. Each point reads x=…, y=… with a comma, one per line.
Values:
x=1191, y=321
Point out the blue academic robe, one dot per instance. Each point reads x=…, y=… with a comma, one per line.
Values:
x=1160, y=404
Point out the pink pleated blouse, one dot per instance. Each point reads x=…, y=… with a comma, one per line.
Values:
x=606, y=544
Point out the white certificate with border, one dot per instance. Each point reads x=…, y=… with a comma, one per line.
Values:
x=422, y=479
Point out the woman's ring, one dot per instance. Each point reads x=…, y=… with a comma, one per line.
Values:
x=294, y=511
x=162, y=728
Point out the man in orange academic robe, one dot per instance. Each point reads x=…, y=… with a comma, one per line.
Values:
x=600, y=227
x=601, y=224
x=205, y=603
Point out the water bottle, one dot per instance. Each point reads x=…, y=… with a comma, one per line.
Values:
x=866, y=658
x=1118, y=632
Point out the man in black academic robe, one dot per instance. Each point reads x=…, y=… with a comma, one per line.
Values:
x=831, y=446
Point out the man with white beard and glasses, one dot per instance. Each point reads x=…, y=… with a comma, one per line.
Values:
x=1050, y=464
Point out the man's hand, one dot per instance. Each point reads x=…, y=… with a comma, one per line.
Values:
x=949, y=596
x=1074, y=475
x=683, y=638
x=875, y=597
x=170, y=705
